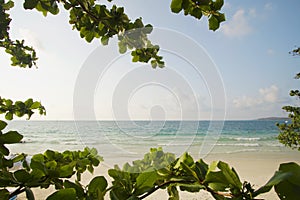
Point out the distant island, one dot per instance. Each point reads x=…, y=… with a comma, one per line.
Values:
x=274, y=118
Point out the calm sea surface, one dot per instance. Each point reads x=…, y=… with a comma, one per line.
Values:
x=123, y=140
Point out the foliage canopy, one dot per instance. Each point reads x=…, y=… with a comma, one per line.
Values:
x=157, y=170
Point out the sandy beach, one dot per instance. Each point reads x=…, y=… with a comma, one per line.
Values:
x=254, y=167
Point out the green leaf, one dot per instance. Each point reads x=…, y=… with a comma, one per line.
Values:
x=89, y=36
x=173, y=193
x=213, y=23
x=29, y=194
x=8, y=5
x=10, y=137
x=98, y=183
x=287, y=190
x=176, y=6
x=145, y=181
x=122, y=48
x=68, y=193
x=189, y=171
x=9, y=116
x=220, y=17
x=3, y=124
x=78, y=188
x=4, y=194
x=230, y=174
x=278, y=177
x=104, y=40
x=19, y=158
x=196, y=12
x=290, y=187
x=66, y=171
x=30, y=4
x=4, y=150
x=292, y=168
x=201, y=169
x=35, y=105
x=22, y=176
x=185, y=158
x=218, y=4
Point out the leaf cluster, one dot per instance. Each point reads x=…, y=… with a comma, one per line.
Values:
x=21, y=55
x=93, y=20
x=159, y=170
x=290, y=132
x=198, y=8
x=19, y=108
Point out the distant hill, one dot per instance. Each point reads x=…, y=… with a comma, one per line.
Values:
x=274, y=118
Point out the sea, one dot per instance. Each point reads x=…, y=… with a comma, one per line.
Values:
x=120, y=141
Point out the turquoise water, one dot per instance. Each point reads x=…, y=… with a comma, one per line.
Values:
x=125, y=140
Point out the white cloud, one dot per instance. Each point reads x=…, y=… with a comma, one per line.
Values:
x=268, y=6
x=31, y=39
x=266, y=95
x=269, y=94
x=238, y=26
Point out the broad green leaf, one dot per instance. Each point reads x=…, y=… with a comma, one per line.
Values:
x=22, y=176
x=145, y=181
x=89, y=36
x=68, y=193
x=278, y=177
x=35, y=105
x=29, y=194
x=213, y=23
x=220, y=17
x=78, y=188
x=201, y=169
x=189, y=171
x=3, y=124
x=30, y=4
x=196, y=12
x=10, y=137
x=104, y=40
x=176, y=6
x=98, y=183
x=294, y=169
x=218, y=4
x=185, y=158
x=118, y=193
x=9, y=116
x=8, y=5
x=230, y=174
x=4, y=194
x=66, y=171
x=287, y=190
x=19, y=158
x=4, y=150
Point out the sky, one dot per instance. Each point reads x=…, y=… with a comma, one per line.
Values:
x=241, y=71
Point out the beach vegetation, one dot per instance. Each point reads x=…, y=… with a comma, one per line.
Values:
x=290, y=132
x=158, y=170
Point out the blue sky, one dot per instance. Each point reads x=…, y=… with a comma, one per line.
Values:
x=248, y=57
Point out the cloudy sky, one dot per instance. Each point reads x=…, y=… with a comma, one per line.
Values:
x=241, y=71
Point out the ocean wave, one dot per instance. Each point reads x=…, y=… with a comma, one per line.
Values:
x=241, y=151
x=247, y=139
x=239, y=144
